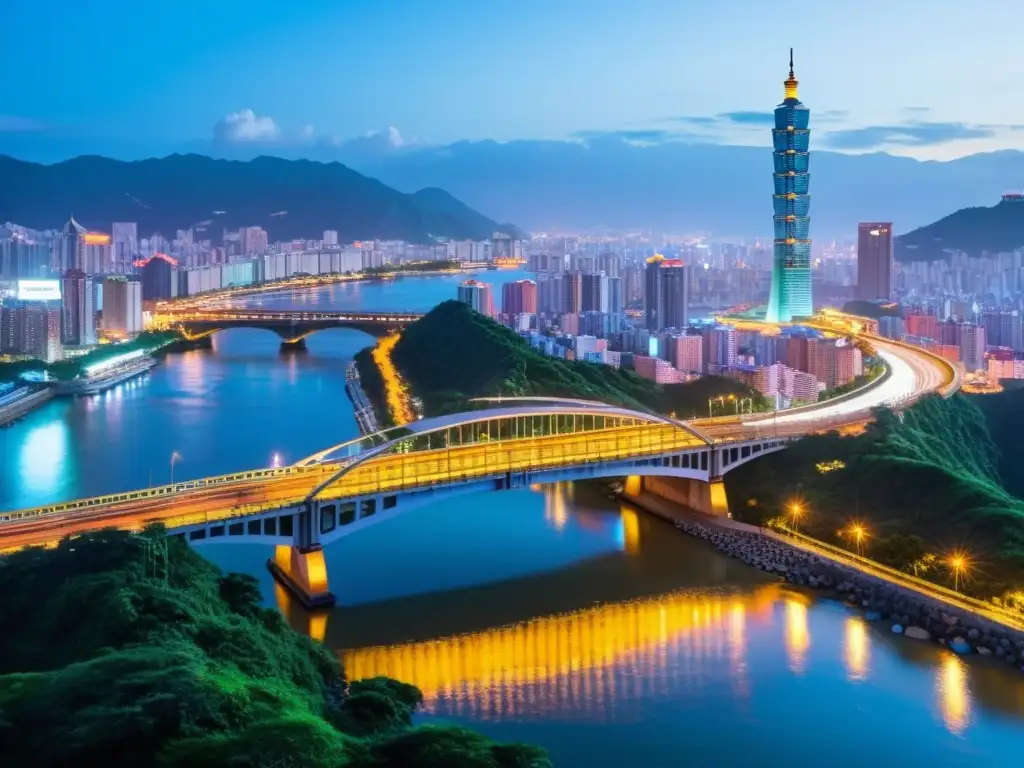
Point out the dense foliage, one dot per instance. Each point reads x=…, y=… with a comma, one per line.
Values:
x=934, y=475
x=130, y=649
x=453, y=354
x=65, y=370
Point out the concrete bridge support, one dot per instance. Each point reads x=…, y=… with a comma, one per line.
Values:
x=294, y=345
x=303, y=572
x=706, y=497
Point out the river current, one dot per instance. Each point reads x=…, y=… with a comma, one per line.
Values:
x=551, y=615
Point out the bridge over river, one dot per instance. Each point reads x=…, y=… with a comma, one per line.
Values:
x=508, y=443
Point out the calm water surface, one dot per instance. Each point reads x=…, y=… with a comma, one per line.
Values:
x=550, y=615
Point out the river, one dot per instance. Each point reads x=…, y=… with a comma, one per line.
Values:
x=551, y=615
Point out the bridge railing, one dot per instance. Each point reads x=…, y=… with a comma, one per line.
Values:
x=82, y=505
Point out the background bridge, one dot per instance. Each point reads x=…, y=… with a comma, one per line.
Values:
x=356, y=484
x=291, y=326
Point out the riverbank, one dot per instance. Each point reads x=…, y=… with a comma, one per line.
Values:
x=20, y=402
x=361, y=407
x=912, y=613
x=94, y=385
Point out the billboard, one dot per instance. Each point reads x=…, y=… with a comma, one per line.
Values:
x=39, y=290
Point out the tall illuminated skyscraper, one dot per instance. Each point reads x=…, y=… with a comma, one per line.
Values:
x=791, y=268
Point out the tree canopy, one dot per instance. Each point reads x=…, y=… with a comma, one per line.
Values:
x=132, y=649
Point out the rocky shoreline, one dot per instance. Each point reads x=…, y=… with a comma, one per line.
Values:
x=913, y=615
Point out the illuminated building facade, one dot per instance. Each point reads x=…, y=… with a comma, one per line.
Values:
x=78, y=327
x=790, y=295
x=157, y=277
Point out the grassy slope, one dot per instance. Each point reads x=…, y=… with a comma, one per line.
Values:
x=453, y=354
x=133, y=650
x=935, y=475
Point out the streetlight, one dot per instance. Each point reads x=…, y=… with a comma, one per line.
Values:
x=959, y=564
x=858, y=534
x=175, y=457
x=796, y=511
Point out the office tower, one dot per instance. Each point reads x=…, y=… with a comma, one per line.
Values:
x=78, y=327
x=874, y=260
x=632, y=284
x=157, y=274
x=96, y=253
x=519, y=297
x=790, y=295
x=21, y=256
x=666, y=293
x=124, y=239
x=330, y=237
x=72, y=247
x=122, y=306
x=614, y=285
x=477, y=295
x=572, y=292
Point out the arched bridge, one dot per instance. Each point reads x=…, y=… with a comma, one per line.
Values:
x=356, y=484
x=291, y=326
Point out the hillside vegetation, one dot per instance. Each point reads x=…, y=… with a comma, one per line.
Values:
x=975, y=231
x=131, y=649
x=934, y=476
x=454, y=354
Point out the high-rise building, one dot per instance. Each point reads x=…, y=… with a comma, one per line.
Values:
x=72, y=246
x=124, y=239
x=330, y=237
x=478, y=295
x=719, y=348
x=519, y=297
x=688, y=353
x=666, y=294
x=790, y=295
x=253, y=240
x=157, y=277
x=78, y=326
x=874, y=260
x=122, y=306
x=572, y=292
x=31, y=328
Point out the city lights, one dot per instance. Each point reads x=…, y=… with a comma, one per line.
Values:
x=959, y=564
x=796, y=512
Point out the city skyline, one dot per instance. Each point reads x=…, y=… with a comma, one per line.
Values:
x=231, y=90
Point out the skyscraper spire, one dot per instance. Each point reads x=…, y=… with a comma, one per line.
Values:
x=791, y=82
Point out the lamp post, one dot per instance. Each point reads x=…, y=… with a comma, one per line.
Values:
x=958, y=564
x=858, y=535
x=175, y=457
x=796, y=511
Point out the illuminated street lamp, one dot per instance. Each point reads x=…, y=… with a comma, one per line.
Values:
x=175, y=457
x=958, y=563
x=858, y=534
x=796, y=511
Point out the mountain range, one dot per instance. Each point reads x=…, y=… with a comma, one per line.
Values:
x=975, y=231
x=289, y=198
x=617, y=183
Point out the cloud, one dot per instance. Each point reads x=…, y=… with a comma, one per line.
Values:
x=706, y=120
x=245, y=126
x=748, y=118
x=917, y=110
x=637, y=135
x=15, y=124
x=909, y=134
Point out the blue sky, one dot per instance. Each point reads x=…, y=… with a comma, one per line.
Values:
x=931, y=79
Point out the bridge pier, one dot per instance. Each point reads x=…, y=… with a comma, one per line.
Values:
x=706, y=497
x=294, y=345
x=303, y=572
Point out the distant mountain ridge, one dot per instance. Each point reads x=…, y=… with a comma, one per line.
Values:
x=291, y=199
x=724, y=191
x=974, y=231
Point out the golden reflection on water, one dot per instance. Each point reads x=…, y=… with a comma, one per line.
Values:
x=588, y=659
x=953, y=693
x=630, y=530
x=798, y=637
x=857, y=648
x=556, y=504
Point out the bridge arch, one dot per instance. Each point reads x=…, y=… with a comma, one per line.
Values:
x=530, y=435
